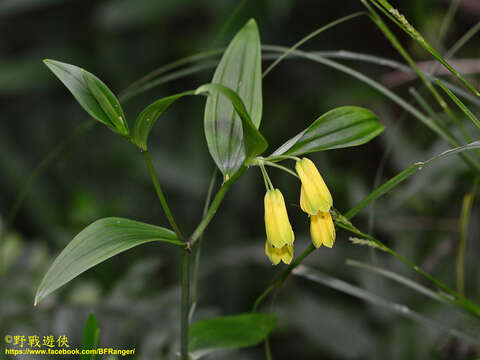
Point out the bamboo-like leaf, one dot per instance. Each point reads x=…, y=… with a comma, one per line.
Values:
x=90, y=338
x=101, y=104
x=107, y=101
x=340, y=285
x=98, y=242
x=341, y=127
x=227, y=332
x=253, y=141
x=149, y=116
x=240, y=70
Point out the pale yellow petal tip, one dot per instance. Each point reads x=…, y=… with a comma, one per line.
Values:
x=276, y=255
x=322, y=230
x=316, y=243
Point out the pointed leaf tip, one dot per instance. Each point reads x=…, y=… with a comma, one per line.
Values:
x=341, y=127
x=92, y=94
x=240, y=70
x=96, y=243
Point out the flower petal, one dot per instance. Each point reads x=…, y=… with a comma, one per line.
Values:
x=322, y=229
x=284, y=254
x=314, y=196
x=278, y=228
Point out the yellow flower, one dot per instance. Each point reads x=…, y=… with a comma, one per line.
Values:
x=314, y=194
x=322, y=229
x=276, y=254
x=278, y=228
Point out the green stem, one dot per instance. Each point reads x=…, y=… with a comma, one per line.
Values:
x=266, y=178
x=196, y=264
x=161, y=196
x=341, y=221
x=454, y=298
x=268, y=352
x=272, y=164
x=213, y=208
x=282, y=276
x=185, y=305
x=308, y=37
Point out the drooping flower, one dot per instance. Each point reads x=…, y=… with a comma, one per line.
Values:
x=322, y=229
x=314, y=194
x=278, y=228
x=284, y=253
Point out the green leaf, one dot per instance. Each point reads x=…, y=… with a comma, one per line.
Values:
x=91, y=335
x=107, y=101
x=229, y=332
x=240, y=70
x=339, y=128
x=149, y=116
x=253, y=141
x=98, y=242
x=94, y=103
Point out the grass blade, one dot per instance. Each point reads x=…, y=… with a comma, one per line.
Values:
x=403, y=23
x=309, y=37
x=403, y=175
x=398, y=278
x=402, y=310
x=459, y=103
x=447, y=136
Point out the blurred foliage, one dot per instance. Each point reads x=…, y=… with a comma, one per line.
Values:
x=135, y=296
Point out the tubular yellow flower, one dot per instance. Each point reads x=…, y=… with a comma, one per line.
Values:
x=314, y=194
x=278, y=228
x=322, y=229
x=275, y=255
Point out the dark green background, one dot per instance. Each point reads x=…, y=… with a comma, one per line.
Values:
x=136, y=295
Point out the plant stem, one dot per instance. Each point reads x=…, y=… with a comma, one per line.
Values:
x=282, y=276
x=341, y=221
x=282, y=168
x=268, y=352
x=161, y=196
x=213, y=208
x=185, y=305
x=453, y=296
x=196, y=264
